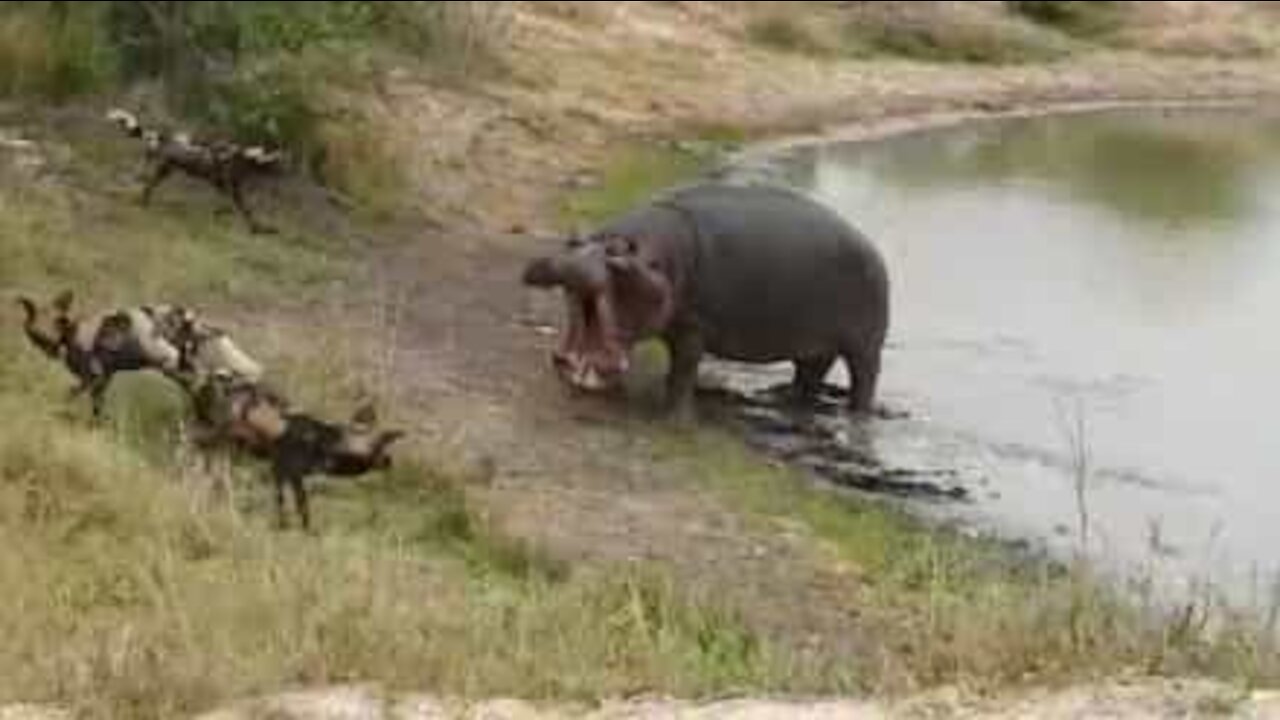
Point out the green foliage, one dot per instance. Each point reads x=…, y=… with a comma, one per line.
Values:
x=943, y=40
x=1076, y=17
x=52, y=52
x=256, y=72
x=631, y=177
x=785, y=33
x=272, y=105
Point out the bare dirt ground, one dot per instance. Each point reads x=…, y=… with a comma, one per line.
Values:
x=1133, y=700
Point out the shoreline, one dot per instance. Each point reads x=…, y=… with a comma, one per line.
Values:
x=1033, y=547
x=926, y=120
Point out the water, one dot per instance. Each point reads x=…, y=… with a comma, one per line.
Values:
x=1111, y=277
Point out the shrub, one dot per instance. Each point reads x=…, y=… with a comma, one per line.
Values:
x=945, y=32
x=52, y=52
x=781, y=32
x=1074, y=17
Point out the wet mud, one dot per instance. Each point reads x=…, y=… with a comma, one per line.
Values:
x=825, y=440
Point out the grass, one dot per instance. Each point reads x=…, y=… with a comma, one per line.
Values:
x=134, y=594
x=50, y=59
x=952, y=609
x=268, y=72
x=1093, y=20
x=955, y=34
x=106, y=245
x=786, y=34
x=638, y=170
x=631, y=177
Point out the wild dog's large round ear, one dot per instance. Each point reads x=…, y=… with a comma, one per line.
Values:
x=62, y=303
x=27, y=304
x=365, y=415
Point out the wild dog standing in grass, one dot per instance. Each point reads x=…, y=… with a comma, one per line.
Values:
x=225, y=165
x=247, y=416
x=96, y=347
x=165, y=338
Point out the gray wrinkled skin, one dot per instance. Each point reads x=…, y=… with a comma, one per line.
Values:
x=752, y=274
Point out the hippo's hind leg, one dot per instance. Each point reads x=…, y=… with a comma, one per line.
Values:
x=864, y=374
x=810, y=373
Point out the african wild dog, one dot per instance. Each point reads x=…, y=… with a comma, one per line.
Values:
x=243, y=415
x=95, y=347
x=224, y=165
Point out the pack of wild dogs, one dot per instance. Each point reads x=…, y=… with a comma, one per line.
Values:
x=750, y=273
x=232, y=406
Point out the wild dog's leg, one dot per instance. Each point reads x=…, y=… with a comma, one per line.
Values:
x=297, y=483
x=281, y=521
x=162, y=171
x=237, y=198
x=97, y=394
x=290, y=467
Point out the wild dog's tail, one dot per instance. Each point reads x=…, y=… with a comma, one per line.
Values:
x=262, y=157
x=126, y=120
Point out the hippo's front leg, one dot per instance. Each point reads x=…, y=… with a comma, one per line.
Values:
x=685, y=347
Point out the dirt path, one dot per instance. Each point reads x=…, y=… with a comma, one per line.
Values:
x=1132, y=700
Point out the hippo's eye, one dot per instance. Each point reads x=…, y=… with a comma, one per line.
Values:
x=574, y=243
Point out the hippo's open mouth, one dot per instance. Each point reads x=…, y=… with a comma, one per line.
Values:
x=591, y=356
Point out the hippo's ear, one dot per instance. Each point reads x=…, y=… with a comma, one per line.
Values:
x=62, y=303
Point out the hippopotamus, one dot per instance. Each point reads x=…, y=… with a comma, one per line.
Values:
x=744, y=272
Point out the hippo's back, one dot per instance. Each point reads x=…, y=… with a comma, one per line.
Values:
x=780, y=275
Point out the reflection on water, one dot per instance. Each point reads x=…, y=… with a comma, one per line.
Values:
x=1125, y=261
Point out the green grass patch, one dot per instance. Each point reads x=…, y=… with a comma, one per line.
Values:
x=53, y=53
x=786, y=34
x=950, y=609
x=934, y=40
x=630, y=178
x=136, y=592
x=638, y=171
x=1092, y=20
